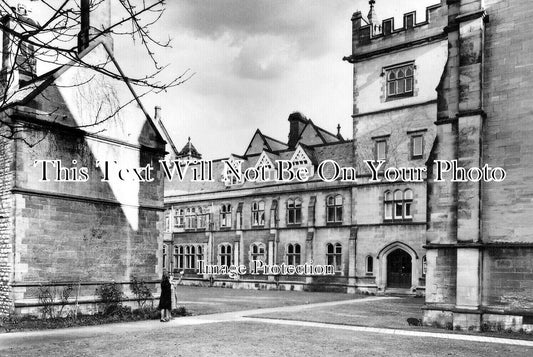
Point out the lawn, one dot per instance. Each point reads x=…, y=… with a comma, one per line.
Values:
x=390, y=313
x=201, y=300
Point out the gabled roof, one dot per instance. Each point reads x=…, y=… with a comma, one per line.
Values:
x=325, y=136
x=267, y=143
x=38, y=85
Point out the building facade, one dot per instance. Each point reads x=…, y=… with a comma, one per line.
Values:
x=450, y=84
x=372, y=234
x=479, y=235
x=68, y=225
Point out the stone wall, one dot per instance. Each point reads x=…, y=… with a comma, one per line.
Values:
x=6, y=222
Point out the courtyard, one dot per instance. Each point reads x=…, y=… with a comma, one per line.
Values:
x=227, y=322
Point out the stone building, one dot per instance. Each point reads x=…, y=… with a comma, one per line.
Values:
x=85, y=231
x=373, y=234
x=479, y=237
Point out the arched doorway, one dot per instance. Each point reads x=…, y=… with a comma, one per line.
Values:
x=399, y=269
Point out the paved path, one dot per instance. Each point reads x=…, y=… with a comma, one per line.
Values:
x=11, y=340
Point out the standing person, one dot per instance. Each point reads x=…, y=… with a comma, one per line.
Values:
x=175, y=284
x=165, y=299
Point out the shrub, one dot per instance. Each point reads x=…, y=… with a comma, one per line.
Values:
x=485, y=327
x=141, y=291
x=110, y=296
x=180, y=311
x=47, y=296
x=449, y=326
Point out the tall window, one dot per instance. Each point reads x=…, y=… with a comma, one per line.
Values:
x=294, y=211
x=334, y=255
x=424, y=265
x=398, y=206
x=179, y=257
x=334, y=208
x=224, y=254
x=369, y=265
x=202, y=218
x=179, y=217
x=199, y=253
x=186, y=256
x=258, y=213
x=225, y=216
x=190, y=218
x=400, y=81
x=165, y=255
x=167, y=221
x=380, y=149
x=190, y=257
x=388, y=204
x=257, y=251
x=417, y=146
x=293, y=254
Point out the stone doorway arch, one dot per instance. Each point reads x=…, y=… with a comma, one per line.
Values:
x=404, y=261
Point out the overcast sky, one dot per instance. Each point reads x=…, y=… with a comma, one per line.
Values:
x=255, y=62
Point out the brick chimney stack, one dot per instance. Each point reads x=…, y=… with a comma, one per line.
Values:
x=94, y=19
x=297, y=123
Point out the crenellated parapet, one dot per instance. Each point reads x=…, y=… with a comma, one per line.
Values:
x=372, y=38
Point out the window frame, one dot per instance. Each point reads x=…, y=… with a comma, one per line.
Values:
x=336, y=208
x=400, y=84
x=293, y=254
x=179, y=217
x=335, y=255
x=258, y=213
x=294, y=209
x=226, y=221
x=369, y=268
x=398, y=200
x=225, y=254
x=254, y=254
x=377, y=142
x=414, y=155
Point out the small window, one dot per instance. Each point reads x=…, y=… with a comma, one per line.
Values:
x=293, y=254
x=334, y=255
x=417, y=146
x=400, y=82
x=258, y=213
x=381, y=149
x=369, y=265
x=224, y=254
x=257, y=252
x=334, y=205
x=294, y=211
x=409, y=21
x=179, y=217
x=225, y=216
x=424, y=266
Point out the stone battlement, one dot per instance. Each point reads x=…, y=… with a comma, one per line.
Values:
x=370, y=39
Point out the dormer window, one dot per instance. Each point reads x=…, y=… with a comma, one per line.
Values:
x=400, y=81
x=300, y=159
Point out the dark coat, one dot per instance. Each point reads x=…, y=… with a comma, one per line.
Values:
x=165, y=300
